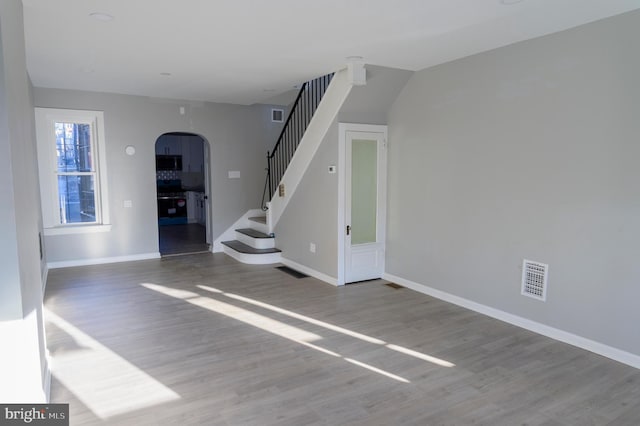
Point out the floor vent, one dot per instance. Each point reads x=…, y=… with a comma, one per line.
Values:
x=394, y=286
x=534, y=279
x=292, y=272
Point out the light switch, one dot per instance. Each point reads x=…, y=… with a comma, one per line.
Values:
x=234, y=174
x=128, y=204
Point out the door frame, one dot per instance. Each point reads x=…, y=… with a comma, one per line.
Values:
x=208, y=211
x=343, y=128
x=208, y=184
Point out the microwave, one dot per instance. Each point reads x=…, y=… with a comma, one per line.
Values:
x=169, y=162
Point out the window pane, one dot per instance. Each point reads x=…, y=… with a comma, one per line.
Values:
x=77, y=199
x=73, y=146
x=364, y=190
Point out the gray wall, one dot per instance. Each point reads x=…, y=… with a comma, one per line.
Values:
x=20, y=220
x=312, y=214
x=529, y=151
x=238, y=136
x=370, y=104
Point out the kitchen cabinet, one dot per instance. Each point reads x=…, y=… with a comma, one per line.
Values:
x=192, y=155
x=169, y=145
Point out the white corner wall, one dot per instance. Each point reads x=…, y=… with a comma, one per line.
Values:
x=24, y=369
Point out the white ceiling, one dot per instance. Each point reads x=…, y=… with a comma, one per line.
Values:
x=247, y=51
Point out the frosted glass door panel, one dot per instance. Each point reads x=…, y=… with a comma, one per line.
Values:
x=364, y=191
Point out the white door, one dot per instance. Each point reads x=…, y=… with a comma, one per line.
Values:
x=365, y=203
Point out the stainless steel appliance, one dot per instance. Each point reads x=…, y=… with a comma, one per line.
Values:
x=172, y=203
x=169, y=162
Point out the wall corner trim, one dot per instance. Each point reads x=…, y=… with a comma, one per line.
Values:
x=615, y=354
x=47, y=378
x=44, y=276
x=102, y=260
x=309, y=271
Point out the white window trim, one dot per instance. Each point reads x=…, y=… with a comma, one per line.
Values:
x=77, y=229
x=45, y=119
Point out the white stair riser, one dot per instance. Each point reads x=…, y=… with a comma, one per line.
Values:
x=253, y=259
x=259, y=243
x=262, y=227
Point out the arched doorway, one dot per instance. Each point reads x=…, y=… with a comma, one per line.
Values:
x=182, y=188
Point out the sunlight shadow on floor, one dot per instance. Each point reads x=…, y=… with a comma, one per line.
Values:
x=248, y=317
x=105, y=382
x=338, y=329
x=278, y=328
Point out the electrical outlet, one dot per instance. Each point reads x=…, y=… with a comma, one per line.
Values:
x=312, y=247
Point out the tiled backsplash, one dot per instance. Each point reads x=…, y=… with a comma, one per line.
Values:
x=168, y=174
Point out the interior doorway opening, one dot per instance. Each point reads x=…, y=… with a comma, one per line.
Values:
x=182, y=187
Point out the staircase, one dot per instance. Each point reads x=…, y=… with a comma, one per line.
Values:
x=253, y=244
x=305, y=127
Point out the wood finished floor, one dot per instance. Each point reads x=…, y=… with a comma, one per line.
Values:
x=256, y=346
x=181, y=239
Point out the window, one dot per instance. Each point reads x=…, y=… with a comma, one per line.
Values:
x=72, y=170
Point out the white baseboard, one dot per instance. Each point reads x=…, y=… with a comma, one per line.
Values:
x=311, y=272
x=102, y=260
x=545, y=330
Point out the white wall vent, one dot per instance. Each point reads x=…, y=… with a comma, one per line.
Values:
x=277, y=115
x=534, y=279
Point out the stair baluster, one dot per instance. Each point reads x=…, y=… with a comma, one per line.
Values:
x=299, y=117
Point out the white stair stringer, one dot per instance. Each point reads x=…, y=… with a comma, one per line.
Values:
x=327, y=110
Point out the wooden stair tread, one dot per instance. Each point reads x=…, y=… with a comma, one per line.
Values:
x=243, y=248
x=253, y=233
x=259, y=219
